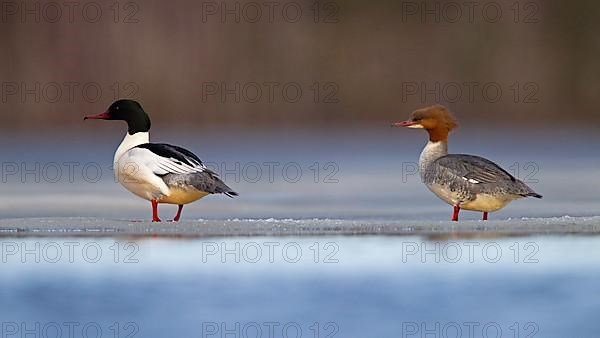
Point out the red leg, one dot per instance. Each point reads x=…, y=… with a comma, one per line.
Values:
x=155, y=212
x=176, y=219
x=485, y=215
x=455, y=214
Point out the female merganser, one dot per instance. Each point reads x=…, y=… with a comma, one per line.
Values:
x=463, y=181
x=159, y=173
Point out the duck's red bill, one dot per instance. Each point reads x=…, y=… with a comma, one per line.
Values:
x=103, y=116
x=403, y=124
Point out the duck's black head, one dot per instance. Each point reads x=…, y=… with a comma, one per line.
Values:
x=129, y=111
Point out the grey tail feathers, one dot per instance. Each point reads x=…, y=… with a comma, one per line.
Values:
x=219, y=186
x=532, y=194
x=222, y=188
x=233, y=194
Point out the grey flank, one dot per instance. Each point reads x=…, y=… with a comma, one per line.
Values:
x=469, y=175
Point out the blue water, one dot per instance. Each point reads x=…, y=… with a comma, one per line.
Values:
x=331, y=286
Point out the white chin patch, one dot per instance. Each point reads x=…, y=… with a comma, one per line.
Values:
x=416, y=126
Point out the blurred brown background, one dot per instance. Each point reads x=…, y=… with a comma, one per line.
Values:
x=244, y=63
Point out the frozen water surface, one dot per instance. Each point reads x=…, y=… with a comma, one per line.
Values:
x=91, y=227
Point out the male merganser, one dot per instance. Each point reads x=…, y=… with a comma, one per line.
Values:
x=463, y=181
x=159, y=173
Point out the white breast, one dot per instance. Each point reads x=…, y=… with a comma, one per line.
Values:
x=136, y=176
x=130, y=141
x=132, y=169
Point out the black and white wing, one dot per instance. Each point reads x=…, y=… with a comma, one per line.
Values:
x=179, y=166
x=164, y=159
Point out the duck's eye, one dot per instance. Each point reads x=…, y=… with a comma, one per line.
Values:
x=117, y=108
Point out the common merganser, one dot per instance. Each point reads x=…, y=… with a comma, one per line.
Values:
x=159, y=173
x=463, y=181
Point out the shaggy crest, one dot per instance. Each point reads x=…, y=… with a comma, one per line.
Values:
x=437, y=120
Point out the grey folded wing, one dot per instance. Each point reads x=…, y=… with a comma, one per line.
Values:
x=478, y=175
x=206, y=181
